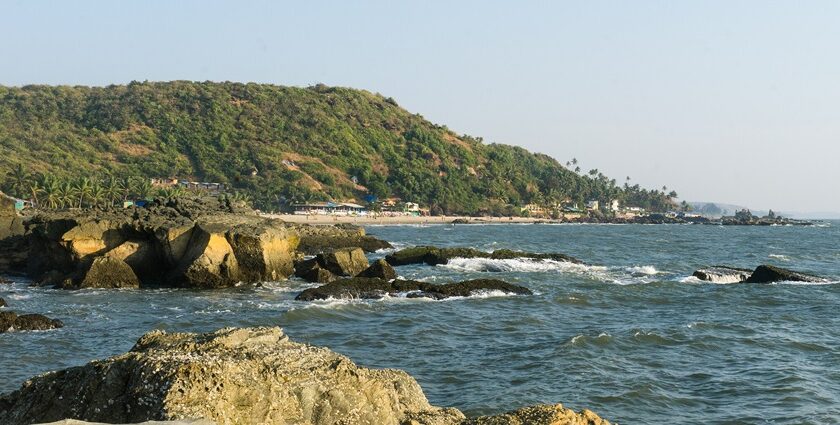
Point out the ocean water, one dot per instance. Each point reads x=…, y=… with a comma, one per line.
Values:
x=632, y=337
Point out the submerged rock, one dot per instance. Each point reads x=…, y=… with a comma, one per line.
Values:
x=243, y=376
x=723, y=274
x=769, y=274
x=10, y=321
x=372, y=288
x=379, y=269
x=433, y=256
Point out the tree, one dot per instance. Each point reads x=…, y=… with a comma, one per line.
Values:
x=82, y=190
x=18, y=180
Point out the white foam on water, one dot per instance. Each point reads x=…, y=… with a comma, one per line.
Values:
x=796, y=283
x=781, y=257
x=642, y=270
x=512, y=265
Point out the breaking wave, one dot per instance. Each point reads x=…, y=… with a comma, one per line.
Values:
x=621, y=275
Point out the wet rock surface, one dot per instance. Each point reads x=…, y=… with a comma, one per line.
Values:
x=723, y=274
x=3, y=303
x=761, y=274
x=769, y=274
x=10, y=321
x=379, y=269
x=373, y=288
x=434, y=256
x=243, y=376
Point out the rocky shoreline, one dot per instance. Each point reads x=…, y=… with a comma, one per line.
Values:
x=247, y=375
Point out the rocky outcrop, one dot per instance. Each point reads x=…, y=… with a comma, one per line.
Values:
x=761, y=274
x=202, y=243
x=434, y=256
x=10, y=321
x=243, y=376
x=3, y=303
x=318, y=239
x=541, y=415
x=373, y=288
x=379, y=269
x=722, y=274
x=769, y=274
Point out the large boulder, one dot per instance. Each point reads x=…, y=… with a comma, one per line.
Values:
x=344, y=262
x=264, y=250
x=379, y=269
x=141, y=255
x=209, y=261
x=108, y=272
x=723, y=274
x=233, y=376
x=10, y=321
x=541, y=415
x=769, y=274
x=433, y=256
x=310, y=271
x=373, y=288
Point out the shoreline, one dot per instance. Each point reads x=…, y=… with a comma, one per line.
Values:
x=389, y=220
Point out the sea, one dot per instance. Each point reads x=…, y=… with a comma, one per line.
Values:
x=630, y=335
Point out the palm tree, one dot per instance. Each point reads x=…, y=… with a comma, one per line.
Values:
x=142, y=188
x=97, y=194
x=18, y=178
x=50, y=187
x=112, y=189
x=82, y=189
x=66, y=194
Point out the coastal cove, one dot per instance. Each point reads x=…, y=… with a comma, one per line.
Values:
x=630, y=334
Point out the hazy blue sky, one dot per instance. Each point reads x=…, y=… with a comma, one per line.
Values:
x=732, y=101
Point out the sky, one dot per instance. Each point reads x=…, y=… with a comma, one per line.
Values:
x=729, y=101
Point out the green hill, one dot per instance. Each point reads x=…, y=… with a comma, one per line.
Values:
x=280, y=143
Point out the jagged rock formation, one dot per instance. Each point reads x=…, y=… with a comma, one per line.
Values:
x=434, y=256
x=10, y=321
x=251, y=375
x=761, y=274
x=195, y=243
x=373, y=288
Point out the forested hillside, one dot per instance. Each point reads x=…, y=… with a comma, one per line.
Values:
x=280, y=144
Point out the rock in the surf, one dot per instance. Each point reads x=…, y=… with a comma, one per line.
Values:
x=108, y=272
x=769, y=274
x=3, y=303
x=344, y=262
x=723, y=274
x=433, y=256
x=373, y=288
x=379, y=269
x=10, y=321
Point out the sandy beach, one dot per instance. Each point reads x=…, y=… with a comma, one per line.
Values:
x=384, y=220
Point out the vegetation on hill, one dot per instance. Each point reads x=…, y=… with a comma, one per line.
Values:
x=277, y=144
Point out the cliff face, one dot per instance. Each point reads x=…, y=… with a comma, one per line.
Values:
x=185, y=243
x=243, y=376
